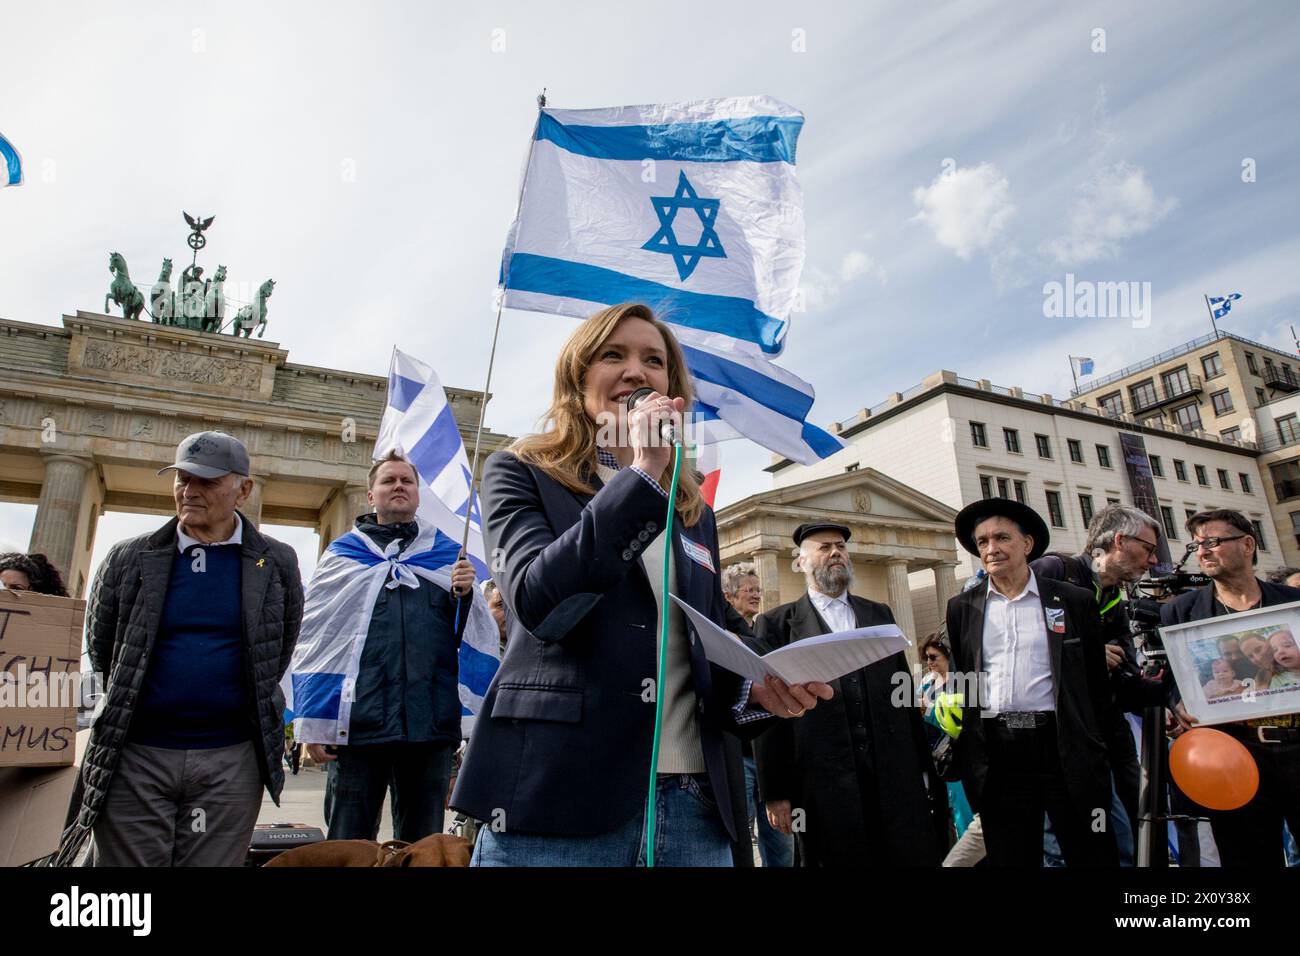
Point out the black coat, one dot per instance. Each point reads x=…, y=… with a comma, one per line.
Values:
x=562, y=744
x=1079, y=685
x=852, y=817
x=126, y=602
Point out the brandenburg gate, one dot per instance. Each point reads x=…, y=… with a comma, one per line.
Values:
x=89, y=412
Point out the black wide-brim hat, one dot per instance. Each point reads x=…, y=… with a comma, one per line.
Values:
x=1023, y=515
x=812, y=527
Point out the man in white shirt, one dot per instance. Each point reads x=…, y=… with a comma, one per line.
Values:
x=1031, y=740
x=854, y=780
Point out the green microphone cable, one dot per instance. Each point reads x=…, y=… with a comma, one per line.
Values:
x=666, y=609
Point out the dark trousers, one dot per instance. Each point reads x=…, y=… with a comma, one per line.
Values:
x=1025, y=780
x=1252, y=835
x=420, y=775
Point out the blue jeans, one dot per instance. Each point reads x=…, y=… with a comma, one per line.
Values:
x=774, y=847
x=688, y=832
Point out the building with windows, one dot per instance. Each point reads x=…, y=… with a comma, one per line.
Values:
x=1278, y=436
x=956, y=440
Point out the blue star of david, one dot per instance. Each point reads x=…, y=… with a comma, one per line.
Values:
x=686, y=257
x=476, y=517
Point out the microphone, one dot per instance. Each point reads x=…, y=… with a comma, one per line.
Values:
x=666, y=431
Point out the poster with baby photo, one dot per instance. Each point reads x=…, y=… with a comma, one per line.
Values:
x=1238, y=666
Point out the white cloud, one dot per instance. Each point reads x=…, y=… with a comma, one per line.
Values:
x=967, y=209
x=857, y=263
x=1116, y=204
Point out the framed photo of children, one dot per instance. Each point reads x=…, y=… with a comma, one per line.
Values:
x=1239, y=666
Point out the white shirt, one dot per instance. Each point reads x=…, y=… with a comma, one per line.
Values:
x=835, y=611
x=1015, y=652
x=184, y=541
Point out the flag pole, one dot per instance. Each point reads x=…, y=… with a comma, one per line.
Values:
x=1211, y=311
x=1073, y=375
x=482, y=406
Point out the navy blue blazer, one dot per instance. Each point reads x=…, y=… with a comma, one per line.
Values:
x=562, y=744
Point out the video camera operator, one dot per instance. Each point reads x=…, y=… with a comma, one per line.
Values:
x=1122, y=545
x=1227, y=551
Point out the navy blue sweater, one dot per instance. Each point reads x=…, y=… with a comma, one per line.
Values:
x=194, y=695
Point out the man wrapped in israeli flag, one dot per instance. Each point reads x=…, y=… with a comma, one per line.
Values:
x=374, y=679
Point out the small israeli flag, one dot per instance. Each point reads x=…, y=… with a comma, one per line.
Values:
x=11, y=164
x=1083, y=365
x=1222, y=305
x=419, y=423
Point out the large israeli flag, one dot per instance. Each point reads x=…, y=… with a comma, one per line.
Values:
x=694, y=209
x=11, y=164
x=418, y=422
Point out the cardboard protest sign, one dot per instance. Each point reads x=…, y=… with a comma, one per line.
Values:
x=40, y=678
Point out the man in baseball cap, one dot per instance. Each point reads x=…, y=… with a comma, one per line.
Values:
x=194, y=626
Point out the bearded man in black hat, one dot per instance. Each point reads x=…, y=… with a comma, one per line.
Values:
x=1032, y=734
x=854, y=781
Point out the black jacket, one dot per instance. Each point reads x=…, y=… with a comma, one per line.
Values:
x=562, y=744
x=122, y=617
x=406, y=685
x=855, y=763
x=1079, y=684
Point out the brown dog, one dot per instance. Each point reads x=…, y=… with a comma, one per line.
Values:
x=441, y=849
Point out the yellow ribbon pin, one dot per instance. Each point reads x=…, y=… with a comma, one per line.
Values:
x=261, y=562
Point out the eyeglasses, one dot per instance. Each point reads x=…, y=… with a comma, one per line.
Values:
x=1151, y=548
x=1209, y=544
x=929, y=656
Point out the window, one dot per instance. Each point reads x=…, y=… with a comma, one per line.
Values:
x=1054, y=509
x=1268, y=367
x=1157, y=467
x=1155, y=421
x=1286, y=479
x=1231, y=434
x=1188, y=418
x=1167, y=516
x=1012, y=438
x=1260, y=541
x=977, y=436
x=1103, y=456
x=1259, y=396
x=1177, y=382
x=1085, y=508
x=1222, y=402
x=1143, y=394
x=1044, y=446
x=1201, y=477
x=1245, y=483
x=1003, y=491
x=1250, y=363
x=1211, y=364
x=1295, y=525
x=1076, y=449
x=1288, y=429
x=1224, y=482
x=1112, y=404
x=1180, y=470
x=1112, y=501
x=1190, y=512
x=986, y=486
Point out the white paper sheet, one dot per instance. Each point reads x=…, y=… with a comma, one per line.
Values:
x=822, y=658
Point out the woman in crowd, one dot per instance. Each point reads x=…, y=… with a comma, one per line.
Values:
x=559, y=764
x=30, y=572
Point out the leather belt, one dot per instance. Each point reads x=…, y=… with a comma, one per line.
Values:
x=1024, y=719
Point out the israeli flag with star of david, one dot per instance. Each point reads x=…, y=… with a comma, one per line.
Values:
x=694, y=209
x=418, y=422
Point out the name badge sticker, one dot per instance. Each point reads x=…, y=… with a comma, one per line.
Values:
x=698, y=553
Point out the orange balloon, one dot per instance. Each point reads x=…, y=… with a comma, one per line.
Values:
x=1214, y=769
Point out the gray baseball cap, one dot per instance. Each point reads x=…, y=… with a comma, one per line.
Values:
x=210, y=455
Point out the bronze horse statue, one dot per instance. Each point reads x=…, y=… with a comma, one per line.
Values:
x=123, y=290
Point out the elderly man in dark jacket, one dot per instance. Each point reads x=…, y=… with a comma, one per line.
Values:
x=193, y=627
x=405, y=720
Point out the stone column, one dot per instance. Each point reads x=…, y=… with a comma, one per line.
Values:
x=355, y=503
x=54, y=533
x=769, y=578
x=252, y=509
x=945, y=586
x=900, y=597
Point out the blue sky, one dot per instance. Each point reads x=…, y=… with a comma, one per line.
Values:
x=368, y=159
